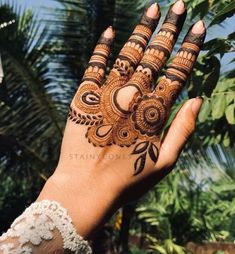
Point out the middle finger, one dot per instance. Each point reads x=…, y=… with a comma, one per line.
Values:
x=160, y=48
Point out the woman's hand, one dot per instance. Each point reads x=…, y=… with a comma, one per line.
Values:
x=112, y=150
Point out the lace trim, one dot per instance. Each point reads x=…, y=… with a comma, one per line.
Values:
x=37, y=224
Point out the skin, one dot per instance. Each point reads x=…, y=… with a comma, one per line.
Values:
x=93, y=182
x=92, y=188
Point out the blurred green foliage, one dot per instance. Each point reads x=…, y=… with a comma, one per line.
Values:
x=43, y=61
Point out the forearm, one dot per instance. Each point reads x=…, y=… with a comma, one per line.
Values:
x=13, y=245
x=45, y=227
x=89, y=206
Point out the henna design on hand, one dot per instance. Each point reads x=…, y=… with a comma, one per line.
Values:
x=133, y=50
x=127, y=110
x=143, y=148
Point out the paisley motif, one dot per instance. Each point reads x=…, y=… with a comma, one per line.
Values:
x=88, y=98
x=100, y=135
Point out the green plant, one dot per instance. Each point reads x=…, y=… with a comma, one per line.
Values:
x=30, y=111
x=179, y=210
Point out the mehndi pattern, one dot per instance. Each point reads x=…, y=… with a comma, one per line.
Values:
x=129, y=109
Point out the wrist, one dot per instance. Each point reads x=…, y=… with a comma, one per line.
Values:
x=89, y=202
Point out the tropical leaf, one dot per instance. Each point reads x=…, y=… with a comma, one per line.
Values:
x=226, y=12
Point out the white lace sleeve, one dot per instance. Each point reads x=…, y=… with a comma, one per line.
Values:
x=38, y=224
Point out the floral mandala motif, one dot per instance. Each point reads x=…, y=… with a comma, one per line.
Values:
x=110, y=124
x=129, y=109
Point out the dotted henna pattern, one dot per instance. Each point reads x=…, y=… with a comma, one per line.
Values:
x=140, y=121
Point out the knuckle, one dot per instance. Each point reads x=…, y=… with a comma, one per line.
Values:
x=170, y=158
x=188, y=127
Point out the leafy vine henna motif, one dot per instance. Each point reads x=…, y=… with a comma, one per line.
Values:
x=144, y=148
x=84, y=119
x=127, y=110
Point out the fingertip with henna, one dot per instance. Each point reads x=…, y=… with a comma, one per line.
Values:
x=178, y=7
x=109, y=33
x=199, y=27
x=152, y=11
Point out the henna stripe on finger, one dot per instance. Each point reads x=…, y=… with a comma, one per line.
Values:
x=182, y=64
x=95, y=71
x=179, y=70
x=162, y=45
x=132, y=52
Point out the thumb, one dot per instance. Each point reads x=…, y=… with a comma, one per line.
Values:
x=180, y=131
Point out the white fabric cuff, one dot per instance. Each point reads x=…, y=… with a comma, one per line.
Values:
x=37, y=224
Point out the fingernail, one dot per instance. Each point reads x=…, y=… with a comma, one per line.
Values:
x=200, y=97
x=196, y=105
x=109, y=33
x=178, y=7
x=152, y=11
x=198, y=27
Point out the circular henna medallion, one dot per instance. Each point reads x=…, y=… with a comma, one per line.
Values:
x=149, y=115
x=124, y=134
